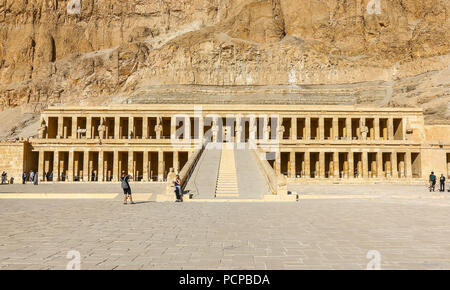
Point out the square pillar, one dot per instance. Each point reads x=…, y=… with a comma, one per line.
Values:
x=145, y=167
x=376, y=126
x=408, y=165
x=173, y=128
x=294, y=131
x=74, y=128
x=160, y=165
x=307, y=165
x=116, y=129
x=335, y=129
x=321, y=128
x=100, y=167
x=144, y=127
x=86, y=174
x=131, y=163
x=69, y=175
x=322, y=163
x=349, y=130
x=89, y=131
x=56, y=166
x=60, y=133
x=201, y=124
x=391, y=128
x=365, y=164
x=278, y=163
x=176, y=163
x=351, y=165
x=394, y=164
x=116, y=173
x=336, y=164
x=308, y=128
x=292, y=164
x=41, y=166
x=131, y=132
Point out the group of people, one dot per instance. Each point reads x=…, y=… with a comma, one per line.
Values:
x=32, y=177
x=432, y=181
x=5, y=178
x=125, y=184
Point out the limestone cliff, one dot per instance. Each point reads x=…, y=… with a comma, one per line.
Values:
x=378, y=52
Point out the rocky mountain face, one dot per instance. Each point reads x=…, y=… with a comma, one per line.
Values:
x=376, y=52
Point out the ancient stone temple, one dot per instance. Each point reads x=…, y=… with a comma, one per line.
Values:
x=303, y=143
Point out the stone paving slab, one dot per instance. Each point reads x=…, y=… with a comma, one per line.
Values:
x=309, y=234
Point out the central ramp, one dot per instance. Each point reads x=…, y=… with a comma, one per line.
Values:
x=227, y=184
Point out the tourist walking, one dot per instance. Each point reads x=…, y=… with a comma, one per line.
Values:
x=126, y=187
x=442, y=183
x=3, y=177
x=31, y=176
x=177, y=189
x=36, y=178
x=432, y=181
x=24, y=178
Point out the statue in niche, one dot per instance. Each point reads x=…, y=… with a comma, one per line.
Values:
x=101, y=128
x=158, y=128
x=42, y=129
x=364, y=131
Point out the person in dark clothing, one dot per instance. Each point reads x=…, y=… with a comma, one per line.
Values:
x=177, y=188
x=432, y=181
x=442, y=183
x=126, y=187
x=24, y=178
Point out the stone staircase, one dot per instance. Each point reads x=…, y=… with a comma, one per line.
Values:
x=227, y=183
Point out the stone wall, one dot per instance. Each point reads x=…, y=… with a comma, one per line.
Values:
x=12, y=160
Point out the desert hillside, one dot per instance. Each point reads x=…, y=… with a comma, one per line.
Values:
x=367, y=52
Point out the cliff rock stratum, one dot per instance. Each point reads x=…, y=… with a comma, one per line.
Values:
x=391, y=53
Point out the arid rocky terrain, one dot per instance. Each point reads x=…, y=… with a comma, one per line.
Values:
x=367, y=52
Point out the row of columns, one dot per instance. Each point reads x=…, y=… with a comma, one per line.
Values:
x=402, y=169
x=103, y=173
x=334, y=134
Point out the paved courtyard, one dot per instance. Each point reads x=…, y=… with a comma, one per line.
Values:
x=409, y=232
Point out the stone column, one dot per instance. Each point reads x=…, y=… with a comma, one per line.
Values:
x=292, y=163
x=131, y=132
x=86, y=168
x=160, y=165
x=322, y=162
x=173, y=128
x=116, y=128
x=89, y=131
x=55, y=166
x=131, y=164
x=278, y=162
x=380, y=164
x=321, y=128
x=145, y=166
x=60, y=133
x=116, y=173
x=349, y=128
x=362, y=124
x=69, y=176
x=294, y=128
x=365, y=164
x=74, y=127
x=376, y=125
x=408, y=165
x=308, y=128
x=335, y=134
x=187, y=128
x=201, y=124
x=252, y=128
x=238, y=131
x=336, y=164
x=394, y=164
x=351, y=165
x=391, y=128
x=100, y=166
x=307, y=165
x=41, y=166
x=176, y=163
x=144, y=127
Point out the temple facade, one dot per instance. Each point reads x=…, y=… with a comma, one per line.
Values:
x=304, y=143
